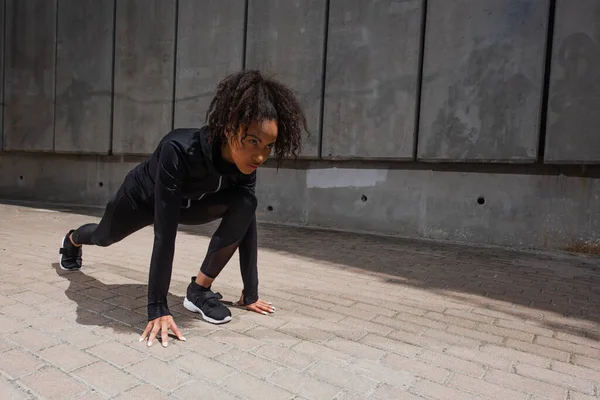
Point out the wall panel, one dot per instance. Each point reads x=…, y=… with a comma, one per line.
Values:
x=144, y=64
x=483, y=74
x=84, y=76
x=29, y=75
x=573, y=129
x=2, y=2
x=372, y=78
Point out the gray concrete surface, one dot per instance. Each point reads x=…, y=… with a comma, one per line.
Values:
x=144, y=64
x=286, y=40
x=519, y=210
x=574, y=104
x=210, y=42
x=540, y=211
x=84, y=76
x=483, y=73
x=372, y=77
x=29, y=75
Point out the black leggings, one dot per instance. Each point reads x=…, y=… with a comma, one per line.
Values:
x=236, y=206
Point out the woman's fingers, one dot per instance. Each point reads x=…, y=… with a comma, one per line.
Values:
x=261, y=308
x=176, y=331
x=162, y=325
x=165, y=332
x=266, y=306
x=146, y=331
x=258, y=309
x=155, y=329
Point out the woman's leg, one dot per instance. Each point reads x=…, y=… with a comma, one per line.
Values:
x=120, y=219
x=236, y=208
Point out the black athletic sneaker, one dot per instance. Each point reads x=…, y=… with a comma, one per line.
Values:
x=70, y=255
x=206, y=302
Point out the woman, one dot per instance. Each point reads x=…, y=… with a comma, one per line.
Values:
x=196, y=176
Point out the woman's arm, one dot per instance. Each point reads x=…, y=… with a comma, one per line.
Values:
x=249, y=269
x=248, y=248
x=167, y=204
x=248, y=263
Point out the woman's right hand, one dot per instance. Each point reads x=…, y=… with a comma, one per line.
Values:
x=260, y=306
x=162, y=324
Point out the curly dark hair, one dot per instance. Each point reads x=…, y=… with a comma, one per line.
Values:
x=247, y=96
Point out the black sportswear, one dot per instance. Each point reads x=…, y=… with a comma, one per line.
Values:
x=184, y=181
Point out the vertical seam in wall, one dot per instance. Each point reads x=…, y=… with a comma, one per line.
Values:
x=54, y=96
x=175, y=41
x=323, y=80
x=546, y=86
x=245, y=35
x=420, y=80
x=112, y=81
x=2, y=135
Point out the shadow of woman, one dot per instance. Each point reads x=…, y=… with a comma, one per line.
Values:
x=121, y=307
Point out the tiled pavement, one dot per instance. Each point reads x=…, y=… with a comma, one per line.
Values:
x=357, y=317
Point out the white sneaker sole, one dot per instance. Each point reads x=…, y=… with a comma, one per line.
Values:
x=192, y=307
x=60, y=259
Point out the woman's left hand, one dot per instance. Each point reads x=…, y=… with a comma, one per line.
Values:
x=259, y=306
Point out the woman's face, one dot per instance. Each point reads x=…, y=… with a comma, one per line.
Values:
x=253, y=150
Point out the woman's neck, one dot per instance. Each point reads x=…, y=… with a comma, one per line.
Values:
x=226, y=152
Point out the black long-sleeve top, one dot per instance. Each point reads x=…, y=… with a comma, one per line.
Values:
x=184, y=166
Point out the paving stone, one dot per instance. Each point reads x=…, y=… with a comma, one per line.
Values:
x=11, y=391
x=163, y=375
x=16, y=363
x=33, y=339
x=67, y=357
x=303, y=385
x=106, y=379
x=117, y=353
x=50, y=383
x=201, y=389
x=253, y=388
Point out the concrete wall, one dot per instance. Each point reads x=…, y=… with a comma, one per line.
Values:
x=469, y=120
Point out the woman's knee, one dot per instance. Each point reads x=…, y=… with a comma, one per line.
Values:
x=102, y=241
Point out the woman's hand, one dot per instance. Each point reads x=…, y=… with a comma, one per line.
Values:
x=161, y=324
x=259, y=306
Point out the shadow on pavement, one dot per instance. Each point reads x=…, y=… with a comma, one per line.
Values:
x=121, y=307
x=531, y=284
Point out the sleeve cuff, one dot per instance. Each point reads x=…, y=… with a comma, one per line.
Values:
x=157, y=311
x=250, y=298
